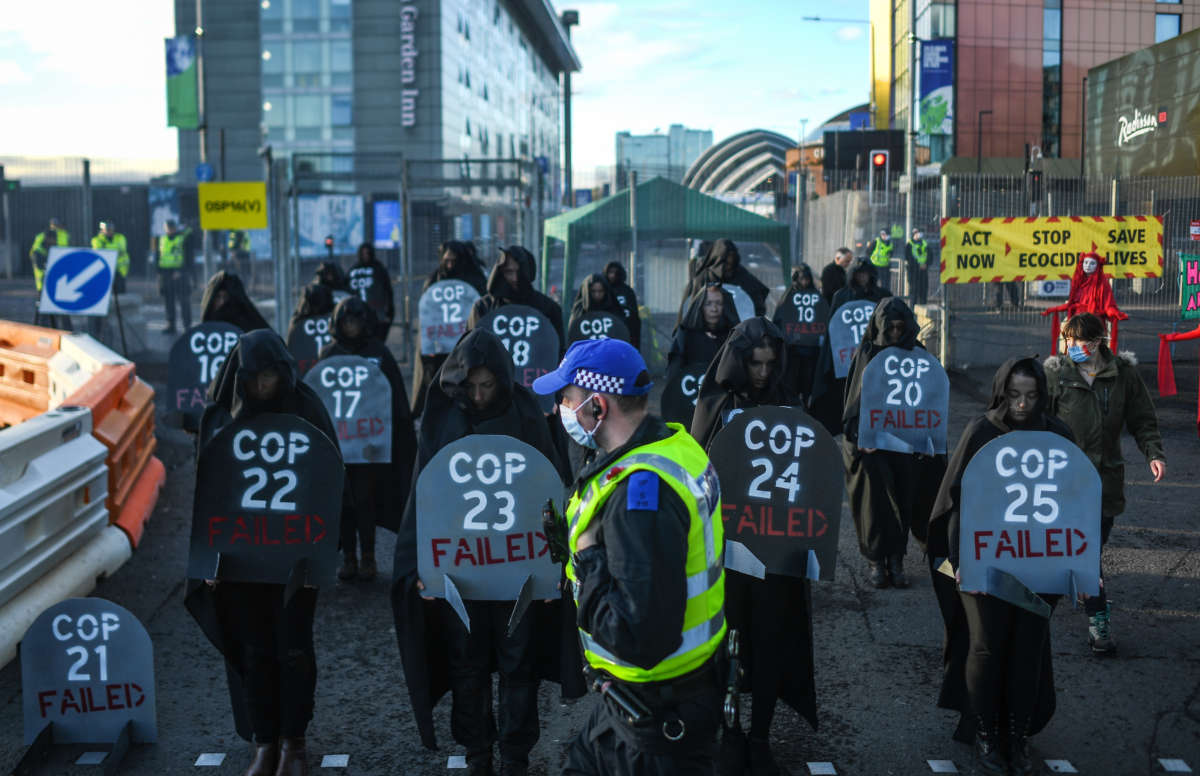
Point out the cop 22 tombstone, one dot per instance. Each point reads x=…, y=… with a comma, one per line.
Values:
x=306, y=339
x=846, y=328
x=530, y=340
x=358, y=397
x=905, y=405
x=598, y=325
x=195, y=358
x=804, y=316
x=681, y=392
x=443, y=312
x=781, y=493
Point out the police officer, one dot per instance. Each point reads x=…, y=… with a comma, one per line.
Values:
x=54, y=235
x=645, y=542
x=916, y=255
x=173, y=273
x=108, y=238
x=238, y=248
x=880, y=253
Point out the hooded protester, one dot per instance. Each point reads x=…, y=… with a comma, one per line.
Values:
x=265, y=637
x=627, y=300
x=723, y=264
x=315, y=299
x=996, y=658
x=595, y=295
x=863, y=284
x=225, y=300
x=802, y=359
x=708, y=318
x=331, y=275
x=890, y=493
x=370, y=280
x=475, y=392
x=1091, y=292
x=380, y=489
x=511, y=282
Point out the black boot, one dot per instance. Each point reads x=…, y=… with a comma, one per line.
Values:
x=878, y=574
x=896, y=569
x=266, y=758
x=989, y=755
x=349, y=569
x=762, y=763
x=734, y=757
x=1020, y=759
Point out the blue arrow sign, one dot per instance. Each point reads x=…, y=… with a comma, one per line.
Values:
x=78, y=281
x=204, y=172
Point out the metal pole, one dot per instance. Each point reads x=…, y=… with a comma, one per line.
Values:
x=910, y=151
x=9, y=247
x=569, y=18
x=1083, y=132
x=406, y=254
x=633, y=228
x=801, y=203
x=979, y=143
x=203, y=128
x=1115, y=198
x=87, y=201
x=944, y=340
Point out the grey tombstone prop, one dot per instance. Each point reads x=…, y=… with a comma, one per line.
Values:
x=358, y=397
x=479, y=523
x=598, y=325
x=681, y=392
x=741, y=301
x=268, y=504
x=195, y=358
x=804, y=317
x=530, y=339
x=905, y=404
x=1030, y=511
x=443, y=310
x=87, y=666
x=306, y=340
x=846, y=327
x=781, y=493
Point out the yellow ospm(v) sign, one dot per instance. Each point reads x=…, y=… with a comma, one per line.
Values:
x=238, y=205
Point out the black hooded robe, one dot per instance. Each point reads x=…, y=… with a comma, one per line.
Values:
x=723, y=264
x=366, y=274
x=238, y=310
x=584, y=303
x=500, y=293
x=802, y=359
x=693, y=342
x=627, y=300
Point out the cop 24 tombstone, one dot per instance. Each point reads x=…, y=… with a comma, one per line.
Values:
x=804, y=316
x=87, y=667
x=598, y=325
x=363, y=282
x=479, y=522
x=681, y=392
x=195, y=358
x=1030, y=511
x=358, y=397
x=443, y=311
x=531, y=341
x=846, y=328
x=781, y=493
x=905, y=404
x=306, y=340
x=742, y=302
x=268, y=503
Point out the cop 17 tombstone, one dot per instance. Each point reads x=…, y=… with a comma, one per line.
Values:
x=742, y=303
x=781, y=493
x=804, y=316
x=846, y=328
x=479, y=523
x=443, y=312
x=598, y=325
x=268, y=504
x=530, y=340
x=1030, y=520
x=681, y=392
x=378, y=296
x=905, y=404
x=358, y=397
x=306, y=339
x=87, y=677
x=195, y=358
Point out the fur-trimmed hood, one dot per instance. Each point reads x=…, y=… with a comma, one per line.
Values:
x=1062, y=361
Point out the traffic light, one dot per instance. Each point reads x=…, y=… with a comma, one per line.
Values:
x=881, y=168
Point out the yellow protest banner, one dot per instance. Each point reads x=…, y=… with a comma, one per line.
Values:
x=233, y=205
x=987, y=250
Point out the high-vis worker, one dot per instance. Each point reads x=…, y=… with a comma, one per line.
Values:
x=880, y=254
x=108, y=238
x=54, y=235
x=174, y=276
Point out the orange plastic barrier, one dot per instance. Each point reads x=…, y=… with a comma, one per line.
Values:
x=25, y=353
x=136, y=510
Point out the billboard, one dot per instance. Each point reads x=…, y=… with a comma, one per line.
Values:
x=340, y=215
x=387, y=223
x=936, y=87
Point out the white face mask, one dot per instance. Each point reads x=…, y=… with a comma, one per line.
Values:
x=574, y=429
x=1090, y=265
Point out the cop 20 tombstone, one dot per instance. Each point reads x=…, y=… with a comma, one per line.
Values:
x=195, y=358
x=1030, y=511
x=358, y=397
x=742, y=302
x=598, y=325
x=479, y=525
x=905, y=405
x=443, y=311
x=306, y=339
x=268, y=504
x=846, y=328
x=804, y=316
x=531, y=341
x=781, y=493
x=681, y=392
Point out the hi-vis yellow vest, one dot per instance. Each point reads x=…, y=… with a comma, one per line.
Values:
x=115, y=243
x=683, y=466
x=881, y=254
x=170, y=250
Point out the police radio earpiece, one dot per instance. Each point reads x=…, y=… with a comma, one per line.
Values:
x=595, y=410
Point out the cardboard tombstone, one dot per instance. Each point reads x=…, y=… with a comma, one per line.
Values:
x=1030, y=520
x=804, y=316
x=905, y=405
x=846, y=328
x=681, y=392
x=530, y=340
x=598, y=325
x=195, y=359
x=781, y=493
x=306, y=340
x=377, y=295
x=741, y=301
x=479, y=523
x=268, y=504
x=443, y=310
x=358, y=397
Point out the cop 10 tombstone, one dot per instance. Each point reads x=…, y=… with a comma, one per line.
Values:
x=598, y=325
x=195, y=358
x=681, y=392
x=905, y=404
x=531, y=341
x=846, y=329
x=358, y=397
x=443, y=312
x=307, y=338
x=781, y=493
x=804, y=316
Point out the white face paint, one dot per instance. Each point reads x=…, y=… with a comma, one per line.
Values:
x=1089, y=265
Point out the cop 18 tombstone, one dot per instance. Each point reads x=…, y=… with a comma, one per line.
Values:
x=598, y=325
x=1030, y=510
x=846, y=328
x=306, y=339
x=358, y=397
x=195, y=358
x=681, y=392
x=742, y=302
x=268, y=503
x=781, y=493
x=530, y=340
x=905, y=404
x=443, y=310
x=804, y=316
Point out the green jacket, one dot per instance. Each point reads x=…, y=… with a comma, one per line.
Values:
x=1096, y=413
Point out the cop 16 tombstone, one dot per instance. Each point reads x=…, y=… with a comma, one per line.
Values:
x=358, y=397
x=905, y=404
x=306, y=339
x=804, y=316
x=681, y=392
x=531, y=342
x=598, y=325
x=443, y=311
x=195, y=358
x=846, y=328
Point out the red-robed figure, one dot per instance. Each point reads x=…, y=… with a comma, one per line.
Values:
x=1166, y=368
x=1091, y=292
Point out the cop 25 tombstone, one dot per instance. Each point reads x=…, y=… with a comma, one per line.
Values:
x=358, y=397
x=443, y=312
x=1030, y=512
x=681, y=392
x=306, y=339
x=598, y=325
x=846, y=328
x=804, y=316
x=195, y=358
x=268, y=504
x=781, y=493
x=530, y=340
x=905, y=404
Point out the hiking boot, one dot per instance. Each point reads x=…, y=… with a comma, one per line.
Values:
x=1100, y=633
x=367, y=569
x=896, y=571
x=349, y=569
x=988, y=754
x=878, y=574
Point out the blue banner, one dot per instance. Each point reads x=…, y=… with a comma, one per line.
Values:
x=387, y=223
x=936, y=87
x=336, y=215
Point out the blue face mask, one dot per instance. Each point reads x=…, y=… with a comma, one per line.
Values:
x=1078, y=353
x=574, y=429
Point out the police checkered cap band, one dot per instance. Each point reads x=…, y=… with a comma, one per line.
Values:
x=600, y=383
x=604, y=366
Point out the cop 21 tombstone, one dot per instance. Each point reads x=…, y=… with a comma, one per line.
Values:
x=905, y=405
x=530, y=340
x=268, y=504
x=804, y=316
x=1030, y=520
x=443, y=312
x=479, y=525
x=781, y=493
x=681, y=392
x=358, y=397
x=742, y=302
x=306, y=340
x=195, y=358
x=598, y=325
x=846, y=328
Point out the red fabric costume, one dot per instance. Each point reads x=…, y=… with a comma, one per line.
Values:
x=1089, y=294
x=1166, y=368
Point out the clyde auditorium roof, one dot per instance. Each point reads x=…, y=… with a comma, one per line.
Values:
x=739, y=163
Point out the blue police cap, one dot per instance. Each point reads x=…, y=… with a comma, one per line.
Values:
x=604, y=366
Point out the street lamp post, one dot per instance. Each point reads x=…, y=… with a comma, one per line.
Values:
x=979, y=143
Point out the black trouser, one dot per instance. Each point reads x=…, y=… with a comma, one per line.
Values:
x=755, y=608
x=802, y=368
x=1004, y=659
x=918, y=284
x=884, y=489
x=358, y=524
x=176, y=291
x=471, y=656
x=1098, y=603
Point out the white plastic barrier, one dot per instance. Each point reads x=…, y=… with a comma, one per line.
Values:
x=79, y=357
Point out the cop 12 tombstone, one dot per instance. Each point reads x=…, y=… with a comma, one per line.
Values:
x=846, y=328
x=443, y=311
x=905, y=404
x=378, y=296
x=268, y=504
x=742, y=302
x=598, y=325
x=479, y=525
x=681, y=392
x=530, y=339
x=306, y=339
x=804, y=316
x=195, y=359
x=781, y=493
x=1030, y=514
x=358, y=397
